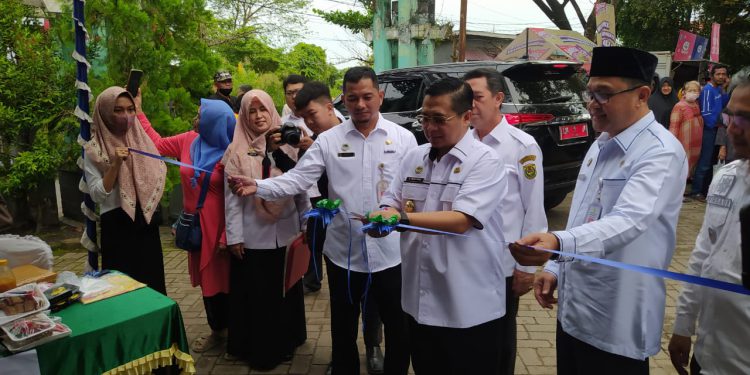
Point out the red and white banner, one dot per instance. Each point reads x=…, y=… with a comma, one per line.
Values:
x=685, y=46
x=715, y=32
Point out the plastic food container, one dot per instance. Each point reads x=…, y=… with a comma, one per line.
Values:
x=28, y=327
x=20, y=302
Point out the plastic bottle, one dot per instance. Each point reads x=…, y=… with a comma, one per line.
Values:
x=7, y=278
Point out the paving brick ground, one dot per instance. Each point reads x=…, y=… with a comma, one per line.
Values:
x=536, y=327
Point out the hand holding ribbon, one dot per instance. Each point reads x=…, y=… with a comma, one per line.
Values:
x=382, y=223
x=325, y=209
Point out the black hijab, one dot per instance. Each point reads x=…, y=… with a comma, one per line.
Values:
x=662, y=104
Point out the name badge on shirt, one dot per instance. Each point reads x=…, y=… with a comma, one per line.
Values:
x=415, y=180
x=389, y=151
x=719, y=201
x=346, y=154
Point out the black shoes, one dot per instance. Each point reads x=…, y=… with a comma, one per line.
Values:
x=374, y=360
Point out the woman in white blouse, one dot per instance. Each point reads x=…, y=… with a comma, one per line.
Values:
x=127, y=189
x=266, y=324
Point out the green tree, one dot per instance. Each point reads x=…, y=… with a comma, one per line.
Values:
x=37, y=96
x=309, y=60
x=275, y=19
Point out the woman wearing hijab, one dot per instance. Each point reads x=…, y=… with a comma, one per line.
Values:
x=663, y=100
x=127, y=188
x=266, y=323
x=686, y=123
x=204, y=147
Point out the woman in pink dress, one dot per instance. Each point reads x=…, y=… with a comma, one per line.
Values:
x=204, y=147
x=686, y=123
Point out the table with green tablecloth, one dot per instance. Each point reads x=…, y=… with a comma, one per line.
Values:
x=132, y=333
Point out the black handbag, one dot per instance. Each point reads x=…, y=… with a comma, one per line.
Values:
x=188, y=231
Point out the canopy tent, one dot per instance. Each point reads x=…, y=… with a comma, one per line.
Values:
x=548, y=44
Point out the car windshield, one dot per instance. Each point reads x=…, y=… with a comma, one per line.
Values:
x=548, y=83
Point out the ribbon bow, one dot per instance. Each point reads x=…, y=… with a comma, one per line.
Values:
x=325, y=209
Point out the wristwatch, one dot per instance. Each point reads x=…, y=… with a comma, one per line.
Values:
x=404, y=220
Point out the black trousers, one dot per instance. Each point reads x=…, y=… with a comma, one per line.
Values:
x=509, y=331
x=695, y=367
x=133, y=247
x=217, y=311
x=373, y=326
x=265, y=326
x=455, y=351
x=575, y=357
x=316, y=236
x=386, y=290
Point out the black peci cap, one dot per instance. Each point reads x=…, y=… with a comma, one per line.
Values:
x=623, y=62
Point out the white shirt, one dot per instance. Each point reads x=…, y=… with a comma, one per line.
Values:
x=353, y=165
x=723, y=317
x=452, y=281
x=637, y=178
x=245, y=225
x=297, y=121
x=523, y=204
x=106, y=201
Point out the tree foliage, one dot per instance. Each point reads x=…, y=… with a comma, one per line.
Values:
x=352, y=20
x=36, y=95
x=275, y=19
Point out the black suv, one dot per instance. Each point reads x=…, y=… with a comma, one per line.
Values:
x=543, y=98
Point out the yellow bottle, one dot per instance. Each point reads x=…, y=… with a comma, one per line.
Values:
x=7, y=278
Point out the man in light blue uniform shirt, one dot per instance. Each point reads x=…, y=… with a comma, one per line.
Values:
x=625, y=208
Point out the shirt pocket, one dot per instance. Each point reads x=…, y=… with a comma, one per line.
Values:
x=610, y=192
x=414, y=197
x=716, y=215
x=448, y=197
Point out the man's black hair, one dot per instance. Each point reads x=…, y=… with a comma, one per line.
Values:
x=461, y=95
x=358, y=73
x=493, y=77
x=292, y=79
x=312, y=91
x=245, y=88
x=716, y=67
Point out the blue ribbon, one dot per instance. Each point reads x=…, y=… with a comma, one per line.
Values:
x=167, y=160
x=383, y=228
x=326, y=216
x=692, y=279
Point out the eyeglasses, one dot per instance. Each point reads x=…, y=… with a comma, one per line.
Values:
x=435, y=120
x=739, y=121
x=603, y=97
x=291, y=92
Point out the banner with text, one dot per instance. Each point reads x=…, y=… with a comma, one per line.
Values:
x=715, y=34
x=605, y=24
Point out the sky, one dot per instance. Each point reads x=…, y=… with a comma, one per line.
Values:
x=501, y=16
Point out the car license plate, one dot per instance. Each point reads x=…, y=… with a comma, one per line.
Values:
x=573, y=131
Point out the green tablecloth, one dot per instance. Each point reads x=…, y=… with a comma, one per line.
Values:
x=130, y=333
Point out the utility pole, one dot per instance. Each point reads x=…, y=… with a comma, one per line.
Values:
x=462, y=33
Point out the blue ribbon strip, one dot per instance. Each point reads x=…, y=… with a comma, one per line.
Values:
x=326, y=216
x=167, y=160
x=383, y=228
x=692, y=279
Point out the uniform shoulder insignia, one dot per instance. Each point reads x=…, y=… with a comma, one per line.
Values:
x=529, y=171
x=527, y=158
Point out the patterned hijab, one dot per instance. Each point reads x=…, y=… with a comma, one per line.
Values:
x=245, y=154
x=215, y=132
x=141, y=178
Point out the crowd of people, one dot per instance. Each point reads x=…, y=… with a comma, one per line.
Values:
x=447, y=303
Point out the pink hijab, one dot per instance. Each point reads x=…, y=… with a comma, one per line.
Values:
x=141, y=179
x=244, y=156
